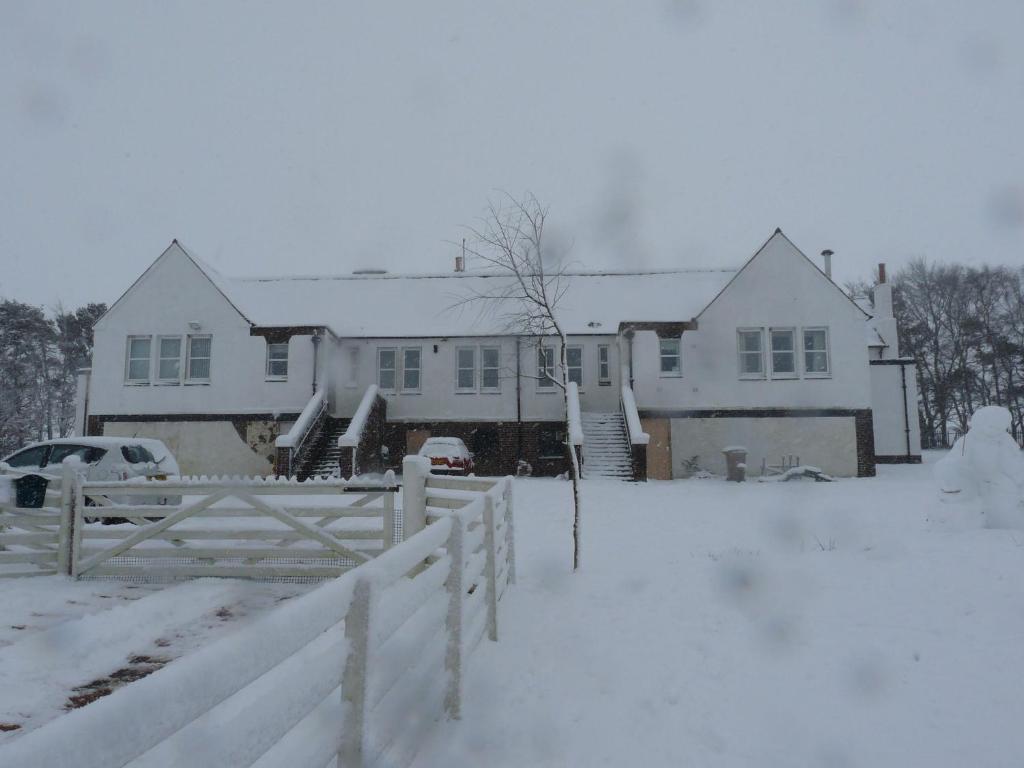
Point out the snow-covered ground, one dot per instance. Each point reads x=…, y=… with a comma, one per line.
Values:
x=856, y=623
x=63, y=642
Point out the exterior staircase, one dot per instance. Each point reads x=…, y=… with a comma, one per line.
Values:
x=606, y=450
x=321, y=460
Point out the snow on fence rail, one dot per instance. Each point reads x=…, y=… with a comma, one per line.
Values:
x=358, y=669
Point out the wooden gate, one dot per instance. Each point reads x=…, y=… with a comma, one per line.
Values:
x=251, y=528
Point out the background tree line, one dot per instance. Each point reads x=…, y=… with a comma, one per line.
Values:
x=964, y=326
x=40, y=354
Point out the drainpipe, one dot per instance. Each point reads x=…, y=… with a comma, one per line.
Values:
x=906, y=406
x=316, y=351
x=629, y=354
x=519, y=404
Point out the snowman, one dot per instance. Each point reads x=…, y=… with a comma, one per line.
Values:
x=986, y=464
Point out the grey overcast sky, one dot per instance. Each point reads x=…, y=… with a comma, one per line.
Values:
x=318, y=137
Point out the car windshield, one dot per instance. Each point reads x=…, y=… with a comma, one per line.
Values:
x=136, y=454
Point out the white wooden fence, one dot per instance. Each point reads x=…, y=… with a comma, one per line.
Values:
x=234, y=527
x=34, y=542
x=352, y=674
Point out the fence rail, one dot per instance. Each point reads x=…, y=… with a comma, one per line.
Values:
x=359, y=669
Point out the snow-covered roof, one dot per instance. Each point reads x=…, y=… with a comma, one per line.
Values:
x=391, y=305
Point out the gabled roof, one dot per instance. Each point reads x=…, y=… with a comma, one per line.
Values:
x=778, y=234
x=215, y=278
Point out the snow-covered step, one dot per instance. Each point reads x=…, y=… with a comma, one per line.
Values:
x=606, y=451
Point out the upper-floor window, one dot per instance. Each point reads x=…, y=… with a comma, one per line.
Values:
x=816, y=357
x=604, y=370
x=490, y=369
x=169, y=362
x=411, y=371
x=200, y=350
x=668, y=350
x=783, y=352
x=545, y=367
x=137, y=362
x=574, y=363
x=387, y=368
x=277, y=361
x=465, y=369
x=750, y=342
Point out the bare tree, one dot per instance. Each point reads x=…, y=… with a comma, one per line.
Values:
x=509, y=239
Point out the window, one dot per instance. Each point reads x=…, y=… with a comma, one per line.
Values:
x=465, y=369
x=490, y=365
x=277, y=361
x=169, y=364
x=669, y=352
x=137, y=366
x=816, y=362
x=137, y=454
x=783, y=353
x=87, y=454
x=353, y=367
x=545, y=367
x=749, y=342
x=604, y=375
x=574, y=362
x=199, y=351
x=387, y=368
x=30, y=457
x=411, y=369
x=551, y=442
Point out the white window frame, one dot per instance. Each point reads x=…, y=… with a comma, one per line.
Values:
x=827, y=373
x=459, y=368
x=678, y=374
x=189, y=378
x=496, y=368
x=741, y=353
x=128, y=360
x=419, y=371
x=569, y=368
x=604, y=367
x=795, y=373
x=277, y=376
x=393, y=369
x=546, y=369
x=160, y=379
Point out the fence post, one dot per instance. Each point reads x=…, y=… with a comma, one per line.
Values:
x=389, y=519
x=77, y=507
x=453, y=624
x=64, y=554
x=510, y=539
x=490, y=567
x=353, y=753
x=415, y=470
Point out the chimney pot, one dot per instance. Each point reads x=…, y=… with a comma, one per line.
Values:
x=881, y=273
x=826, y=255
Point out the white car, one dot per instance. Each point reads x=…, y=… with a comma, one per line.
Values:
x=448, y=455
x=103, y=458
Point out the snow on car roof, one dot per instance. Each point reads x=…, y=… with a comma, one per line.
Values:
x=435, y=304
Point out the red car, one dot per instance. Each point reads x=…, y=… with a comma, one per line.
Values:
x=448, y=455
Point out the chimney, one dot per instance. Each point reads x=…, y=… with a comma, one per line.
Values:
x=884, y=321
x=826, y=255
x=881, y=273
x=460, y=260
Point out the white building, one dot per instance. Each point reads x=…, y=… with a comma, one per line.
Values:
x=772, y=356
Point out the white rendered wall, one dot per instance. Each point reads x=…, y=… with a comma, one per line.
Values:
x=173, y=293
x=779, y=288
x=200, y=447
x=438, y=399
x=888, y=414
x=828, y=443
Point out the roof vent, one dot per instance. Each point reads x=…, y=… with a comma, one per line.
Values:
x=369, y=271
x=827, y=256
